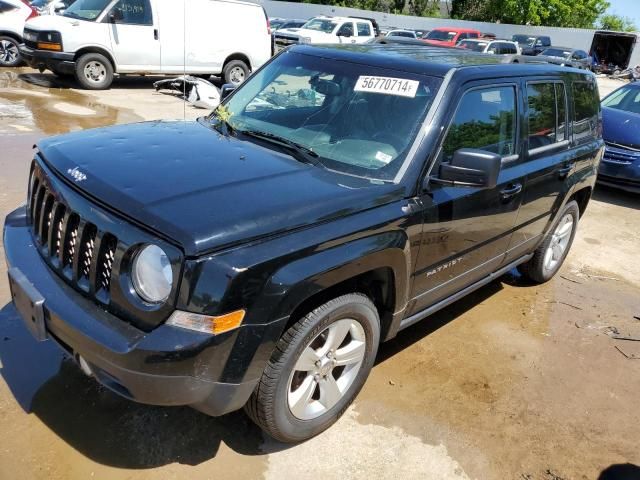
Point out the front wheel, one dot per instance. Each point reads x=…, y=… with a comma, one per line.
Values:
x=550, y=255
x=317, y=369
x=94, y=71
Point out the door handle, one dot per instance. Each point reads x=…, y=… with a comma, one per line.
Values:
x=155, y=34
x=511, y=191
x=564, y=171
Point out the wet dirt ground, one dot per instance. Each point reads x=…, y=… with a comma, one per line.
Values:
x=513, y=382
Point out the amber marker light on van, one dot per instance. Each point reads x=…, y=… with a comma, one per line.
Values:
x=49, y=46
x=207, y=323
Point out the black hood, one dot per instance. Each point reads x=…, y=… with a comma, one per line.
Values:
x=203, y=189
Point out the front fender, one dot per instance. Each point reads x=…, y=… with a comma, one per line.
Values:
x=297, y=281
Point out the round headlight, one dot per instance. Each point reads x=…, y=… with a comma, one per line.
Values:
x=152, y=275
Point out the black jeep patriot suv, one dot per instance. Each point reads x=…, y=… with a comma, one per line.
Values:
x=259, y=256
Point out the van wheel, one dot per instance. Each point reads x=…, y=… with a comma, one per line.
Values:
x=317, y=369
x=550, y=255
x=9, y=53
x=94, y=71
x=236, y=72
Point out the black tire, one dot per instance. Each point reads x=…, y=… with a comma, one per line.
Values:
x=236, y=72
x=104, y=72
x=9, y=52
x=269, y=406
x=535, y=269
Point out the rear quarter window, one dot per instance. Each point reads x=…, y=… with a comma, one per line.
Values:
x=586, y=108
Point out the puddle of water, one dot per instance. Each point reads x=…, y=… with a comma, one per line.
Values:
x=32, y=102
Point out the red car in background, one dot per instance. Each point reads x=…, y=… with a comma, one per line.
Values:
x=449, y=37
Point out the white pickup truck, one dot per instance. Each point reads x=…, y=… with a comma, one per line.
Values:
x=332, y=30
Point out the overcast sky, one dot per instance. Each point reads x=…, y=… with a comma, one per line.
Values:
x=627, y=8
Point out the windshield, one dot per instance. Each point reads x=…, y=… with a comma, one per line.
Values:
x=276, y=24
x=86, y=9
x=523, y=39
x=556, y=52
x=441, y=35
x=625, y=98
x=320, y=25
x=475, y=46
x=356, y=119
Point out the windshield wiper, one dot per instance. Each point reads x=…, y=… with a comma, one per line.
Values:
x=302, y=153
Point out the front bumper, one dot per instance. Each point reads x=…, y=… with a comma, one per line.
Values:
x=620, y=169
x=167, y=366
x=59, y=62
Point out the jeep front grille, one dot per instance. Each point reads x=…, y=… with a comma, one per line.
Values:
x=76, y=249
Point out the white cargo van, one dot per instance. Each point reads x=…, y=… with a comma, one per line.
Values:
x=95, y=39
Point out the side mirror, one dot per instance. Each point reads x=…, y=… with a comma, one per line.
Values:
x=116, y=15
x=345, y=34
x=472, y=168
x=226, y=90
x=59, y=6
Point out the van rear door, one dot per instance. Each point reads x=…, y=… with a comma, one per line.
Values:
x=134, y=36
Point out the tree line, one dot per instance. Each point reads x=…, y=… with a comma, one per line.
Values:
x=551, y=13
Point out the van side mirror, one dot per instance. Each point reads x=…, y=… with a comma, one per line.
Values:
x=59, y=7
x=226, y=90
x=472, y=168
x=116, y=15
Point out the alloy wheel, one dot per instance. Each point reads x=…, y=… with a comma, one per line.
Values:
x=326, y=369
x=559, y=242
x=8, y=52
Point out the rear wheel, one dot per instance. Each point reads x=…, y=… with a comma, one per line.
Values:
x=9, y=52
x=317, y=369
x=236, y=72
x=550, y=255
x=94, y=71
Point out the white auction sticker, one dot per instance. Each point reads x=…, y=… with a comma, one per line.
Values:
x=387, y=86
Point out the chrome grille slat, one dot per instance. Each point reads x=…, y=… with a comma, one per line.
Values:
x=75, y=248
x=105, y=261
x=87, y=245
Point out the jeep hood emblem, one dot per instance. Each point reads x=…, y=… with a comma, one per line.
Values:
x=77, y=175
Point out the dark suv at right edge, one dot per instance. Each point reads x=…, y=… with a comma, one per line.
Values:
x=258, y=256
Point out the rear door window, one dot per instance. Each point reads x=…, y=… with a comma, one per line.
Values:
x=346, y=30
x=547, y=114
x=364, y=30
x=586, y=108
x=508, y=49
x=486, y=120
